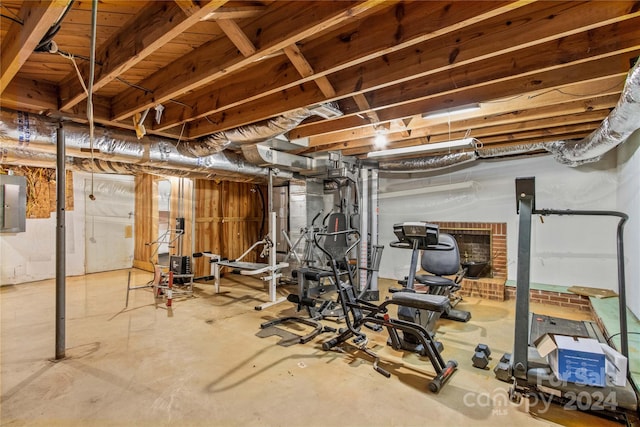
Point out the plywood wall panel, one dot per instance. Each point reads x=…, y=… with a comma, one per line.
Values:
x=228, y=219
x=146, y=228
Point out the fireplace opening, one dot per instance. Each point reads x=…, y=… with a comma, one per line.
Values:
x=475, y=250
x=482, y=246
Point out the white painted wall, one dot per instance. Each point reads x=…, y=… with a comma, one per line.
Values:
x=629, y=201
x=31, y=255
x=109, y=221
x=564, y=250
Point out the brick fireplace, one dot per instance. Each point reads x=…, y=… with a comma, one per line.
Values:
x=481, y=241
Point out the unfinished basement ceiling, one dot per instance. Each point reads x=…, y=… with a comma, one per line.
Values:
x=541, y=71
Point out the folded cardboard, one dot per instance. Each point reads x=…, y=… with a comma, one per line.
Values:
x=616, y=366
x=574, y=359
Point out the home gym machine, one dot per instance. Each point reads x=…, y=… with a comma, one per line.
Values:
x=531, y=374
x=170, y=280
x=359, y=313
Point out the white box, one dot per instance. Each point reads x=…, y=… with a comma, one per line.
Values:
x=574, y=359
x=616, y=366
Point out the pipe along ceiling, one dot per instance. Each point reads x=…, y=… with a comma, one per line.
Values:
x=27, y=139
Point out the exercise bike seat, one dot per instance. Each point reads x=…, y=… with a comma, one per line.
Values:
x=429, y=302
x=432, y=280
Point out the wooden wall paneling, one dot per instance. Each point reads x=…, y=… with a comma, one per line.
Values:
x=241, y=219
x=228, y=218
x=208, y=220
x=146, y=220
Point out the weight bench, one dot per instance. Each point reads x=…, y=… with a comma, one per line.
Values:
x=270, y=270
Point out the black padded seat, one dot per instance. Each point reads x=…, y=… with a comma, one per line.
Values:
x=312, y=274
x=431, y=280
x=437, y=303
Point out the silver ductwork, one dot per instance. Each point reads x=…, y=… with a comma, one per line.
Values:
x=25, y=156
x=38, y=134
x=513, y=150
x=614, y=130
x=250, y=134
x=262, y=155
x=22, y=131
x=425, y=164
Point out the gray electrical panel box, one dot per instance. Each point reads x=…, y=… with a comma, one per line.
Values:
x=13, y=203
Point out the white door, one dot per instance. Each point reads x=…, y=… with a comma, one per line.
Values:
x=109, y=219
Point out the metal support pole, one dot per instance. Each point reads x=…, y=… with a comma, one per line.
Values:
x=270, y=192
x=373, y=227
x=365, y=234
x=622, y=292
x=60, y=244
x=521, y=338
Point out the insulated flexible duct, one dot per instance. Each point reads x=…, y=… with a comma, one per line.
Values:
x=614, y=130
x=21, y=131
x=427, y=163
x=250, y=134
x=37, y=134
x=26, y=156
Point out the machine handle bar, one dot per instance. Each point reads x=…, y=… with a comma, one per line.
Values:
x=348, y=232
x=437, y=247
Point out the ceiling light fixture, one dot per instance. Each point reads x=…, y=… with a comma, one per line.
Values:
x=380, y=141
x=426, y=148
x=449, y=111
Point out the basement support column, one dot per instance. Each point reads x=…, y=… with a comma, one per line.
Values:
x=60, y=243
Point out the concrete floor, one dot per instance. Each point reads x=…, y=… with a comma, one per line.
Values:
x=201, y=363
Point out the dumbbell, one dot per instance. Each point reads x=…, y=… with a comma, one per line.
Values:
x=503, y=368
x=481, y=355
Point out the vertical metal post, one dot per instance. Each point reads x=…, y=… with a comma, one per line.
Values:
x=364, y=228
x=270, y=192
x=373, y=226
x=273, y=237
x=60, y=243
x=521, y=337
x=622, y=297
x=272, y=257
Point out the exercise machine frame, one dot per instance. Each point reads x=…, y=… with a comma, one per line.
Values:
x=527, y=377
x=269, y=272
x=359, y=313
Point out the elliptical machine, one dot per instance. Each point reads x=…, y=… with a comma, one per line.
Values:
x=359, y=313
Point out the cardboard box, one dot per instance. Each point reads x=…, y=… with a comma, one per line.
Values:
x=574, y=359
x=616, y=366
